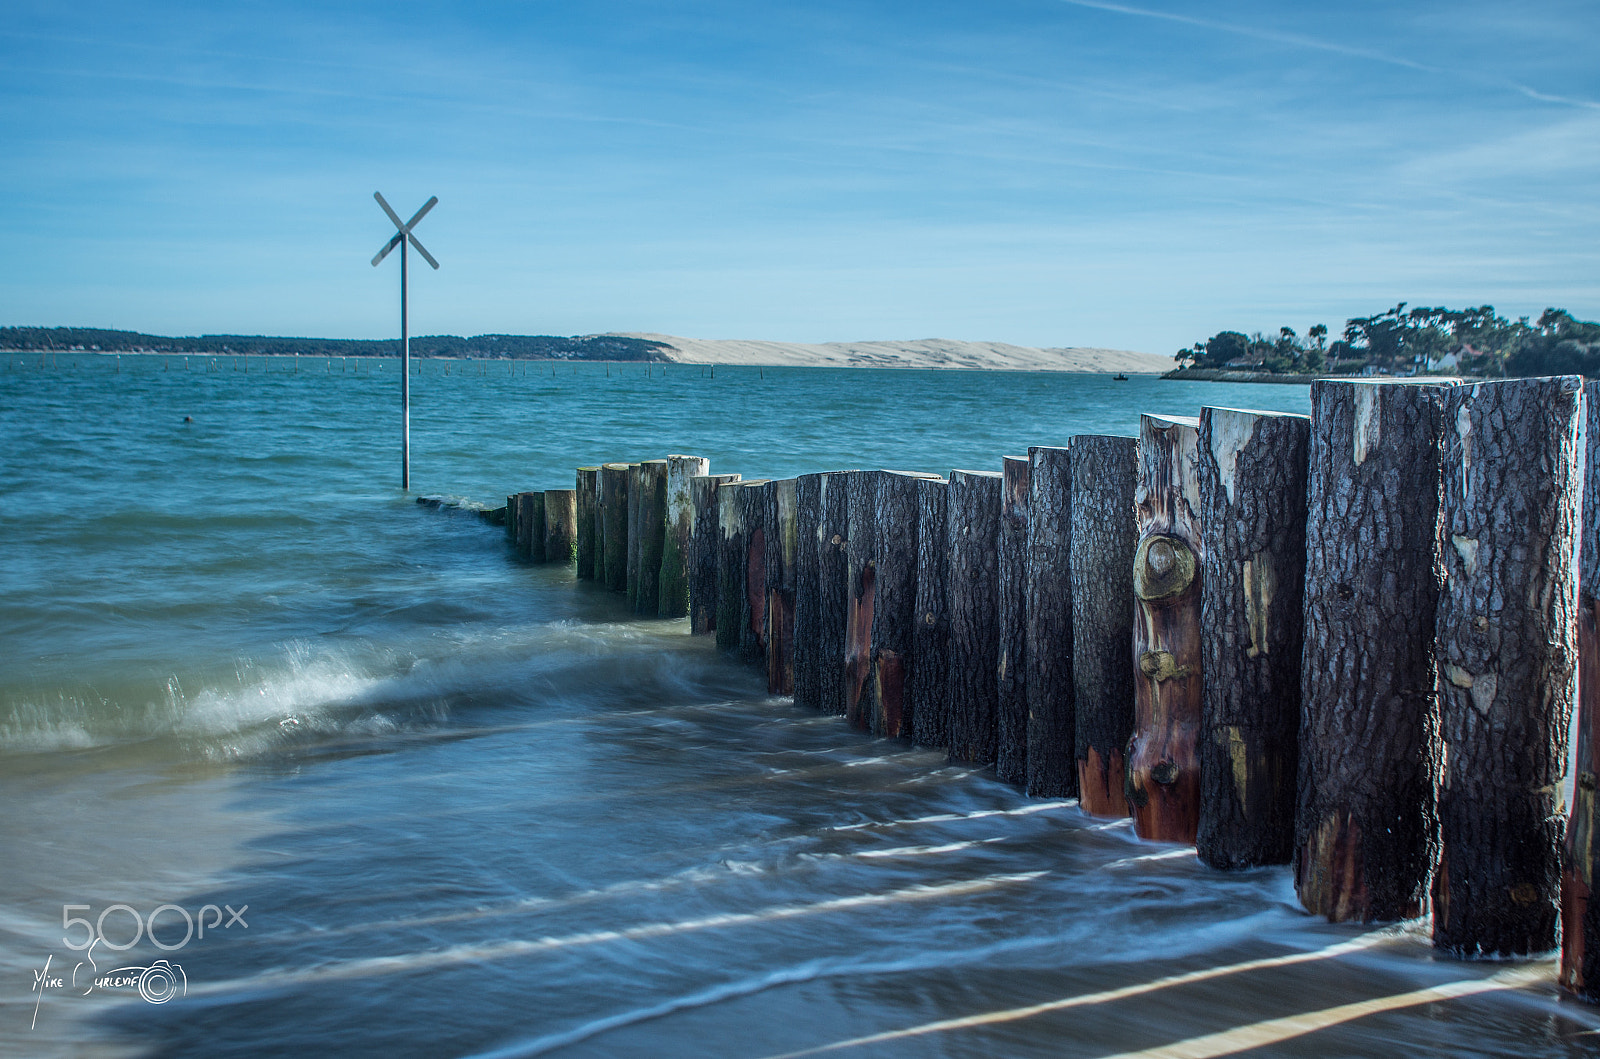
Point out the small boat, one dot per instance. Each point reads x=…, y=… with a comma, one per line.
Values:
x=1119, y=377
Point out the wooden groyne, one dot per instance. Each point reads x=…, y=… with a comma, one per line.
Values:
x=1351, y=641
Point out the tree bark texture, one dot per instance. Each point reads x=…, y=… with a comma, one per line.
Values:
x=807, y=589
x=1253, y=526
x=587, y=495
x=636, y=494
x=1366, y=822
x=861, y=572
x=1507, y=655
x=1105, y=535
x=779, y=516
x=972, y=597
x=753, y=607
x=560, y=525
x=1163, y=769
x=673, y=599
x=614, y=524
x=894, y=607
x=930, y=641
x=1580, y=916
x=1011, y=677
x=833, y=612
x=705, y=550
x=652, y=535
x=1047, y=648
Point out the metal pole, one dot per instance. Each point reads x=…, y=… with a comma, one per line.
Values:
x=405, y=380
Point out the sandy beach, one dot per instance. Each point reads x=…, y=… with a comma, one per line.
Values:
x=920, y=353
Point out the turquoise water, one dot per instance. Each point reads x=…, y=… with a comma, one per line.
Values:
x=474, y=809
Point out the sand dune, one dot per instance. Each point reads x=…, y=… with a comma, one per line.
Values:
x=922, y=353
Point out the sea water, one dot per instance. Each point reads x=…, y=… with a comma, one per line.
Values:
x=372, y=787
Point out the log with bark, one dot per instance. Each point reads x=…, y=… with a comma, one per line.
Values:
x=894, y=607
x=782, y=547
x=1104, y=537
x=1253, y=524
x=673, y=599
x=1047, y=647
x=1011, y=678
x=1507, y=656
x=1366, y=820
x=587, y=496
x=930, y=641
x=972, y=599
x=614, y=525
x=560, y=525
x=705, y=550
x=1580, y=914
x=652, y=529
x=861, y=574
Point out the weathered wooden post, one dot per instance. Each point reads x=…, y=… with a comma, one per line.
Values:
x=705, y=550
x=833, y=580
x=673, y=600
x=511, y=519
x=861, y=501
x=886, y=697
x=731, y=566
x=972, y=597
x=753, y=610
x=1047, y=648
x=652, y=527
x=560, y=525
x=1507, y=656
x=1011, y=728
x=587, y=488
x=807, y=590
x=1105, y=535
x=1163, y=756
x=1366, y=823
x=614, y=524
x=530, y=526
x=636, y=490
x=930, y=641
x=782, y=548
x=1253, y=528
x=1580, y=912
x=600, y=526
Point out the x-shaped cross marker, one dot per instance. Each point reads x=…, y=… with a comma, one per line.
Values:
x=405, y=230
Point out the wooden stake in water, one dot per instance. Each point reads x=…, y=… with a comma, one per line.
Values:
x=400, y=239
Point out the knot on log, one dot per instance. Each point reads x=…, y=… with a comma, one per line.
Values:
x=1163, y=568
x=1165, y=772
x=1161, y=665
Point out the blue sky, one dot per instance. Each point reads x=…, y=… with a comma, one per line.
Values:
x=1045, y=172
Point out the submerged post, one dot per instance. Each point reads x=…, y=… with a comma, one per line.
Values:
x=1366, y=824
x=1506, y=653
x=1253, y=496
x=1104, y=536
x=401, y=238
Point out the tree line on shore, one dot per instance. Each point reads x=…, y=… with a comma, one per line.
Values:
x=1403, y=341
x=517, y=347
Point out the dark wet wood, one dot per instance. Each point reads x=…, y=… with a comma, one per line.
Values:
x=1366, y=823
x=861, y=574
x=887, y=696
x=807, y=591
x=972, y=597
x=753, y=605
x=779, y=514
x=614, y=525
x=1011, y=724
x=833, y=613
x=1580, y=916
x=560, y=526
x=705, y=549
x=1104, y=537
x=930, y=708
x=1052, y=757
x=652, y=530
x=1507, y=657
x=1253, y=499
x=587, y=497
